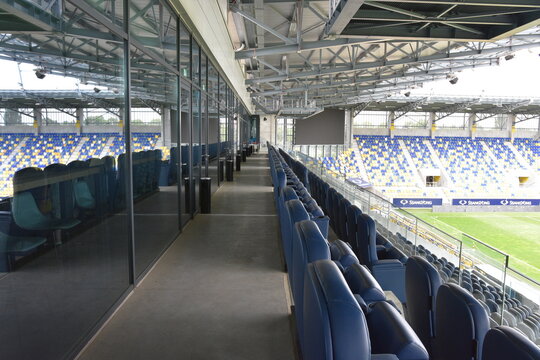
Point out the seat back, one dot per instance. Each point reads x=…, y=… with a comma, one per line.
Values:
x=460, y=324
x=336, y=203
x=366, y=237
x=311, y=246
x=329, y=205
x=26, y=212
x=334, y=325
x=295, y=212
x=352, y=213
x=61, y=191
x=391, y=334
x=344, y=204
x=422, y=281
x=362, y=282
x=503, y=342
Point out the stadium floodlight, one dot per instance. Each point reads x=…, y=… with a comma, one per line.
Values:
x=40, y=73
x=96, y=90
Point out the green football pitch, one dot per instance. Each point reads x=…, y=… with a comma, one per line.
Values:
x=517, y=234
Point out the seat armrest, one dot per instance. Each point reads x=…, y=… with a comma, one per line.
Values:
x=342, y=253
x=391, y=276
x=384, y=357
x=384, y=319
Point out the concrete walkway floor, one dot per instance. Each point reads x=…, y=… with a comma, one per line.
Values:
x=218, y=292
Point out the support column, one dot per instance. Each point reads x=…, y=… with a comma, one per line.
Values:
x=391, y=117
x=511, y=126
x=121, y=124
x=166, y=126
x=38, y=120
x=80, y=120
x=348, y=128
x=432, y=126
x=472, y=125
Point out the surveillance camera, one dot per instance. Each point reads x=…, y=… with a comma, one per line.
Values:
x=264, y=119
x=40, y=73
x=96, y=90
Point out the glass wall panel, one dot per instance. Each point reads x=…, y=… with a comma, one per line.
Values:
x=59, y=278
x=195, y=63
x=196, y=147
x=185, y=51
x=213, y=141
x=185, y=154
x=154, y=96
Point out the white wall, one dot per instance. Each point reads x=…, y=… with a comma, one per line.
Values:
x=208, y=17
x=266, y=129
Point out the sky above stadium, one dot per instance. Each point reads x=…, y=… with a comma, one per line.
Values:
x=519, y=77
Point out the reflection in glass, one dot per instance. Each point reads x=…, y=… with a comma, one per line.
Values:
x=154, y=100
x=64, y=232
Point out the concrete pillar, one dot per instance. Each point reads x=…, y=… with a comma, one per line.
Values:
x=38, y=120
x=80, y=120
x=390, y=123
x=121, y=122
x=348, y=134
x=432, y=126
x=471, y=125
x=511, y=126
x=165, y=126
x=266, y=129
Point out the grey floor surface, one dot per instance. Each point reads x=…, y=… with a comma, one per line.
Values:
x=218, y=292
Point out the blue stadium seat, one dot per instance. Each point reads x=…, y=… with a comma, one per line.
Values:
x=461, y=324
x=17, y=246
x=295, y=212
x=422, y=281
x=390, y=333
x=390, y=273
x=506, y=343
x=335, y=326
x=310, y=246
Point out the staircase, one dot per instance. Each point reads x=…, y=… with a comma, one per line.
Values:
x=75, y=154
x=412, y=165
x=524, y=163
x=361, y=166
x=438, y=162
x=10, y=157
x=107, y=149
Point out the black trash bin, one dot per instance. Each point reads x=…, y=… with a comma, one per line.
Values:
x=244, y=155
x=238, y=162
x=221, y=170
x=205, y=197
x=229, y=170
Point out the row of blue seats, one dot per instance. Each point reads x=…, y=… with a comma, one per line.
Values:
x=386, y=259
x=359, y=230
x=452, y=323
x=309, y=245
x=338, y=325
x=447, y=324
x=517, y=314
